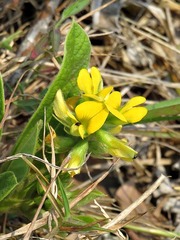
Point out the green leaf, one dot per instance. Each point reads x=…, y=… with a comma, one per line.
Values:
x=19, y=166
x=73, y=9
x=162, y=111
x=2, y=101
x=76, y=57
x=69, y=11
x=28, y=105
x=8, y=182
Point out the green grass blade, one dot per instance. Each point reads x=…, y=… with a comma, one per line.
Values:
x=65, y=199
x=153, y=231
x=162, y=111
x=5, y=43
x=2, y=101
x=168, y=133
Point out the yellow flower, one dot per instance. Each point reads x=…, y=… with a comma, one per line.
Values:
x=99, y=104
x=102, y=101
x=90, y=83
x=66, y=117
x=62, y=110
x=131, y=112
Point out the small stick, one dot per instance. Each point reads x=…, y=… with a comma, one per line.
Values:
x=134, y=205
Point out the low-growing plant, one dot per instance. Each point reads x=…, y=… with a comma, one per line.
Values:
x=77, y=119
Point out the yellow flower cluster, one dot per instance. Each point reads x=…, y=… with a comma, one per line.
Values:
x=96, y=112
x=90, y=115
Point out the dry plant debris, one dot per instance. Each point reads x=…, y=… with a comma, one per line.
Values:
x=136, y=45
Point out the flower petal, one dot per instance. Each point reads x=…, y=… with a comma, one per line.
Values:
x=135, y=114
x=86, y=110
x=97, y=121
x=116, y=113
x=92, y=96
x=82, y=131
x=96, y=80
x=84, y=81
x=78, y=129
x=61, y=110
x=114, y=100
x=59, y=106
x=135, y=101
x=72, y=101
x=72, y=117
x=105, y=92
x=92, y=115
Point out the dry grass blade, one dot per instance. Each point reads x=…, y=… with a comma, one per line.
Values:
x=39, y=223
x=25, y=157
x=51, y=188
x=10, y=101
x=32, y=224
x=90, y=188
x=66, y=26
x=112, y=224
x=97, y=9
x=41, y=26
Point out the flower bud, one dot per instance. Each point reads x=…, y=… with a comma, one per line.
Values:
x=77, y=157
x=115, y=146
